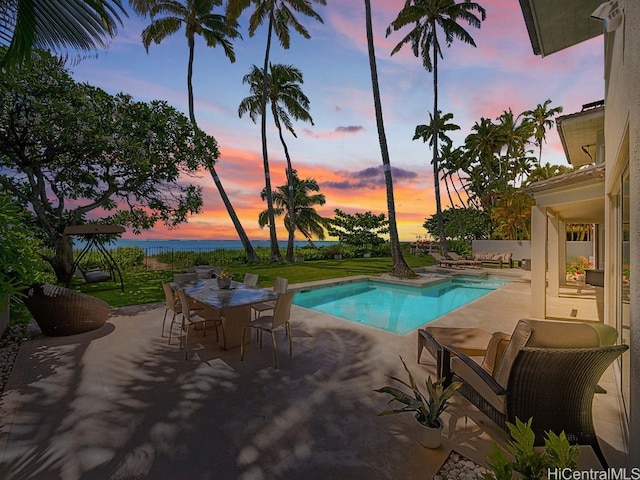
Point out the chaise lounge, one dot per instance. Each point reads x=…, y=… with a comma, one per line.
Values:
x=489, y=258
x=546, y=370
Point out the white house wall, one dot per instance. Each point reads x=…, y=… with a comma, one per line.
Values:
x=622, y=143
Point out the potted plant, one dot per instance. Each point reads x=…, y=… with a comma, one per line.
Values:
x=224, y=278
x=427, y=408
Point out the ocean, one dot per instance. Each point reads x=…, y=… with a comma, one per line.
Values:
x=202, y=245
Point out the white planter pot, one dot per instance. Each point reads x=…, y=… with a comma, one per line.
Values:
x=428, y=436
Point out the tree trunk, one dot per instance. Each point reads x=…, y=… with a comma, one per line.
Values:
x=436, y=169
x=400, y=267
x=62, y=262
x=192, y=115
x=275, y=249
x=252, y=256
x=289, y=172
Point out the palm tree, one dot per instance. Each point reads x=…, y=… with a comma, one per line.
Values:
x=198, y=19
x=280, y=17
x=302, y=216
x=542, y=118
x=426, y=133
x=400, y=267
x=425, y=16
x=287, y=101
x=56, y=25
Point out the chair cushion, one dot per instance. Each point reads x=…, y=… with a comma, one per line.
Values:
x=547, y=334
x=495, y=351
x=519, y=339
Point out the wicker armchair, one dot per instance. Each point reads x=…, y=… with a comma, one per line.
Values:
x=60, y=311
x=549, y=371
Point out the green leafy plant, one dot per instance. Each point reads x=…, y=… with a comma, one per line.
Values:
x=427, y=408
x=561, y=453
x=528, y=463
x=499, y=464
x=20, y=261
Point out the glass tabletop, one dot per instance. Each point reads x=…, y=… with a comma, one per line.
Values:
x=239, y=294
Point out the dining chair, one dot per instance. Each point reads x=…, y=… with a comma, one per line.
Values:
x=191, y=319
x=270, y=323
x=172, y=304
x=251, y=279
x=280, y=287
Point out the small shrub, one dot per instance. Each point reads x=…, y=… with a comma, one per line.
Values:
x=528, y=463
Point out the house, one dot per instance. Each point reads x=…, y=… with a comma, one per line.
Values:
x=604, y=136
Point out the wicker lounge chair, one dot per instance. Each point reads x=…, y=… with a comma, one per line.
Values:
x=465, y=261
x=549, y=371
x=445, y=262
x=60, y=311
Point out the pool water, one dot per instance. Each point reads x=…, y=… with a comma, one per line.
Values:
x=395, y=308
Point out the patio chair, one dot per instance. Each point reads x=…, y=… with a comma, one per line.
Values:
x=473, y=342
x=280, y=287
x=549, y=371
x=270, y=323
x=465, y=261
x=445, y=262
x=172, y=304
x=191, y=319
x=251, y=279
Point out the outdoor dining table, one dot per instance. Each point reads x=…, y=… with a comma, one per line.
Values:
x=233, y=304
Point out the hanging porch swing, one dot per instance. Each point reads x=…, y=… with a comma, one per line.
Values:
x=95, y=237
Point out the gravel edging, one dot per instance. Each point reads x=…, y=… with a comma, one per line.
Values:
x=9, y=346
x=458, y=467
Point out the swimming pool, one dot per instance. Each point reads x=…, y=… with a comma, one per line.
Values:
x=395, y=308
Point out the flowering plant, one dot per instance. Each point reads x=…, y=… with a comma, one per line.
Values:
x=224, y=273
x=579, y=266
x=626, y=274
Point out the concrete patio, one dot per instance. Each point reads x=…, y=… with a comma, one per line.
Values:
x=120, y=403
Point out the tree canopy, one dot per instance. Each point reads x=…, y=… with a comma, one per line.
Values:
x=358, y=230
x=74, y=153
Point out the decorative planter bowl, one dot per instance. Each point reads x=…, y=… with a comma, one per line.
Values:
x=224, y=283
x=428, y=436
x=60, y=311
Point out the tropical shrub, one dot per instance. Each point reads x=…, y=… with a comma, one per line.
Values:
x=20, y=260
x=529, y=463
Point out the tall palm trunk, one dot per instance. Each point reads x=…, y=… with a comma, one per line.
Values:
x=436, y=169
x=400, y=267
x=192, y=114
x=251, y=254
x=291, y=229
x=275, y=249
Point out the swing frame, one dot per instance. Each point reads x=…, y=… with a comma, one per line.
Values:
x=92, y=233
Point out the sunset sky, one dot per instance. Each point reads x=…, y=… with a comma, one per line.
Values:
x=341, y=149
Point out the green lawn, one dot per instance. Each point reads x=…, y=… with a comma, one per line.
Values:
x=144, y=286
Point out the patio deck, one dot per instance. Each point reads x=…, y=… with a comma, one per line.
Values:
x=119, y=403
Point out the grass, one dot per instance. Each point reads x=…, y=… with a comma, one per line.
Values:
x=144, y=286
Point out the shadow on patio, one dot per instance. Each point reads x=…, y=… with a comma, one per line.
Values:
x=119, y=403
